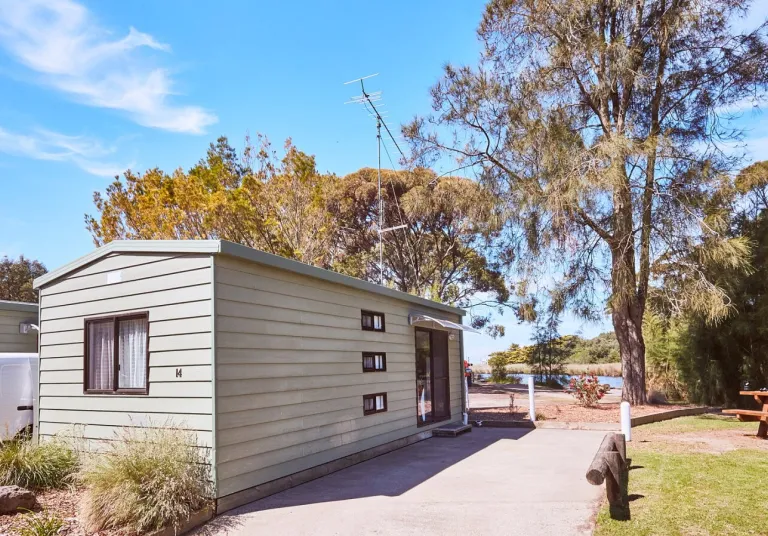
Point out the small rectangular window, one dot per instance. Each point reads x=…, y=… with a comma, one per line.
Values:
x=374, y=362
x=117, y=354
x=372, y=321
x=376, y=403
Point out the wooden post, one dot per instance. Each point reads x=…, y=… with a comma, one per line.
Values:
x=610, y=466
x=621, y=448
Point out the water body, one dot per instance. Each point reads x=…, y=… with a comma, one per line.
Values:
x=614, y=381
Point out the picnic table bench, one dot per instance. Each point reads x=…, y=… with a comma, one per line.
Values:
x=752, y=414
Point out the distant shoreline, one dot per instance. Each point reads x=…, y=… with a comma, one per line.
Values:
x=598, y=369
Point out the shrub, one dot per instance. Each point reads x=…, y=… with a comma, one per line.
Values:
x=498, y=364
x=42, y=524
x=586, y=389
x=148, y=479
x=47, y=464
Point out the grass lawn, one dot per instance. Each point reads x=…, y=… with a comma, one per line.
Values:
x=678, y=487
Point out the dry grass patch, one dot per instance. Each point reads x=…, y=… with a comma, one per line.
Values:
x=48, y=464
x=150, y=478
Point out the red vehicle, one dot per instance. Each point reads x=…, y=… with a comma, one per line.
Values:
x=468, y=372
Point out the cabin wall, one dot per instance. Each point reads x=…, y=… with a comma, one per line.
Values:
x=289, y=380
x=176, y=291
x=10, y=338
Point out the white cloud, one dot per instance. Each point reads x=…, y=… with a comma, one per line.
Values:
x=757, y=148
x=747, y=105
x=60, y=41
x=86, y=153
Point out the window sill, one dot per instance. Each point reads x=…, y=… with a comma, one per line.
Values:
x=142, y=392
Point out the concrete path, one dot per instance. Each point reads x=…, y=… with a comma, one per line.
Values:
x=487, y=482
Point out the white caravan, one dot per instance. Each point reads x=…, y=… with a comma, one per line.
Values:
x=18, y=392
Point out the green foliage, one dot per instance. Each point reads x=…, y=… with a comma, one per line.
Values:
x=42, y=524
x=16, y=278
x=51, y=463
x=603, y=348
x=515, y=354
x=688, y=354
x=550, y=350
x=149, y=478
x=666, y=350
x=498, y=362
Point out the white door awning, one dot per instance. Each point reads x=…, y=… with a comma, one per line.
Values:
x=429, y=322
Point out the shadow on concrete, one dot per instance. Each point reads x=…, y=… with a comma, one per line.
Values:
x=217, y=526
x=390, y=474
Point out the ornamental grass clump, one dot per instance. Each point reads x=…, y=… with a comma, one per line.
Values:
x=51, y=463
x=42, y=524
x=586, y=389
x=148, y=479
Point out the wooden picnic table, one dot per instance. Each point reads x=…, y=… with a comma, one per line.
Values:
x=754, y=415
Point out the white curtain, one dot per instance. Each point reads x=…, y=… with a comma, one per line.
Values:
x=133, y=353
x=101, y=355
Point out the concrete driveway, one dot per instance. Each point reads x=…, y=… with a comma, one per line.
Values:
x=491, y=481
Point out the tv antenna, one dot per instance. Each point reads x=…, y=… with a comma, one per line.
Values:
x=368, y=100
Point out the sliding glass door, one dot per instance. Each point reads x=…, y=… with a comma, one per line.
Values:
x=432, y=376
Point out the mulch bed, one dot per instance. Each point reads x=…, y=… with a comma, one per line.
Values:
x=63, y=503
x=602, y=413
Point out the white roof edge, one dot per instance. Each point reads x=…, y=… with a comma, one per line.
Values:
x=244, y=252
x=26, y=307
x=128, y=246
x=415, y=320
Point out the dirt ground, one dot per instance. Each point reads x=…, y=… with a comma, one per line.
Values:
x=603, y=413
x=492, y=402
x=706, y=441
x=715, y=442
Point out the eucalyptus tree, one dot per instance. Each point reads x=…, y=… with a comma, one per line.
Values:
x=16, y=277
x=442, y=243
x=600, y=122
x=442, y=248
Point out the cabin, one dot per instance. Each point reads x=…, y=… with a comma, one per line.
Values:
x=18, y=322
x=283, y=371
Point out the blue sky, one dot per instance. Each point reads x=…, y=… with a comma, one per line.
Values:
x=88, y=89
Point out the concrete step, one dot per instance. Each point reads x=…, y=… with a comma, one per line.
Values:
x=451, y=430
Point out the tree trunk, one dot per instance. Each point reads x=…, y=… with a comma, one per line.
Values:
x=628, y=326
x=627, y=305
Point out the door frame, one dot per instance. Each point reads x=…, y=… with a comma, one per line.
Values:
x=447, y=417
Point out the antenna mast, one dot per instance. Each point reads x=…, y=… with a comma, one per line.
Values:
x=368, y=99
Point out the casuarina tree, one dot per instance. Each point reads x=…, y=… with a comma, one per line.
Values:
x=600, y=123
